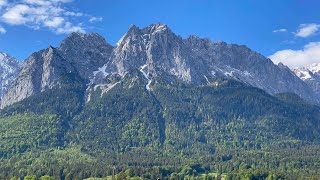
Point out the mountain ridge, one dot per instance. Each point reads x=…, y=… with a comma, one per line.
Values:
x=194, y=60
x=157, y=51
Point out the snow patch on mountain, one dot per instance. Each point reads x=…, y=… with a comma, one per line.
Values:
x=310, y=75
x=314, y=68
x=146, y=76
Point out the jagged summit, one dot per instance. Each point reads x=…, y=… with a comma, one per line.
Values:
x=86, y=52
x=156, y=28
x=83, y=35
x=83, y=39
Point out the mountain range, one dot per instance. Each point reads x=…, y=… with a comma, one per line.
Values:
x=156, y=100
x=157, y=52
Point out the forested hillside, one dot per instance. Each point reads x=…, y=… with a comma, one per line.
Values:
x=173, y=130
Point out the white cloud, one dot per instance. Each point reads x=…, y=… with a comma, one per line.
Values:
x=3, y=3
x=2, y=30
x=306, y=30
x=296, y=58
x=95, y=19
x=279, y=30
x=16, y=14
x=54, y=22
x=50, y=14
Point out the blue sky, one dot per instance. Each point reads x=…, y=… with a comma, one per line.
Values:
x=286, y=29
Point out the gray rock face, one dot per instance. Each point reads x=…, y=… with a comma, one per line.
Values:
x=9, y=69
x=79, y=54
x=41, y=71
x=311, y=75
x=157, y=51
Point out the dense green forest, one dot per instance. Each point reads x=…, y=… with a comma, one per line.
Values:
x=225, y=130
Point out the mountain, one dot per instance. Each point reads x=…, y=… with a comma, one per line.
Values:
x=156, y=104
x=311, y=75
x=9, y=68
x=78, y=55
x=214, y=127
x=157, y=52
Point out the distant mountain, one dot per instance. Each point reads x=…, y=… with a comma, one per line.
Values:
x=9, y=69
x=311, y=75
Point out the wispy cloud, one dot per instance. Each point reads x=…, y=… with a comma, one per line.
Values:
x=279, y=30
x=49, y=14
x=296, y=58
x=306, y=30
x=95, y=19
x=2, y=30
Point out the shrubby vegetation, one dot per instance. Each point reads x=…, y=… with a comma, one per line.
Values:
x=176, y=131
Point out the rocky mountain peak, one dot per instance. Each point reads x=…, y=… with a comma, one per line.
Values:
x=86, y=52
x=8, y=61
x=137, y=35
x=9, y=68
x=133, y=28
x=82, y=40
x=144, y=47
x=78, y=55
x=156, y=28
